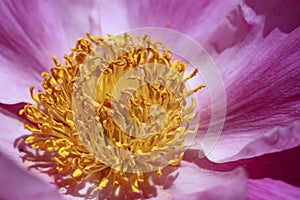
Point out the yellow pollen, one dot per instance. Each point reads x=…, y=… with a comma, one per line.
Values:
x=153, y=107
x=77, y=173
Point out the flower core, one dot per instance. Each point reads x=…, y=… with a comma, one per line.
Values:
x=116, y=109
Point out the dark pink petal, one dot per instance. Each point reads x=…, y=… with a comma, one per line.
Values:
x=265, y=189
x=194, y=18
x=31, y=33
x=262, y=80
x=17, y=184
x=196, y=183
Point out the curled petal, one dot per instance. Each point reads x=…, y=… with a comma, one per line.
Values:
x=273, y=141
x=193, y=182
x=262, y=81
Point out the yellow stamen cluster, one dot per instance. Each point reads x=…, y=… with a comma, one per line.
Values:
x=79, y=151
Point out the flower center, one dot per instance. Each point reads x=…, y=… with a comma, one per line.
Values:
x=117, y=108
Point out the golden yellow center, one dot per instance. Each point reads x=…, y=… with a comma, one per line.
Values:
x=117, y=108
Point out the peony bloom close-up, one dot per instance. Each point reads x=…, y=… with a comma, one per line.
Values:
x=150, y=99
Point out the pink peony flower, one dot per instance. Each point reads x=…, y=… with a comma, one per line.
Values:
x=256, y=46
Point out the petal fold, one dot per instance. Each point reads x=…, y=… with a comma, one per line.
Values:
x=262, y=80
x=192, y=182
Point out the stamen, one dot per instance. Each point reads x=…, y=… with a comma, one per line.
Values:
x=191, y=75
x=154, y=108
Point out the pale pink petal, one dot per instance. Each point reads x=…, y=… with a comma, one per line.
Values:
x=32, y=32
x=114, y=17
x=262, y=80
x=265, y=189
x=192, y=182
x=194, y=18
x=11, y=128
x=28, y=40
x=12, y=133
x=274, y=140
x=17, y=184
x=77, y=18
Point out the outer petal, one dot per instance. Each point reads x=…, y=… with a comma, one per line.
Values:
x=32, y=32
x=17, y=184
x=262, y=81
x=194, y=18
x=192, y=182
x=265, y=189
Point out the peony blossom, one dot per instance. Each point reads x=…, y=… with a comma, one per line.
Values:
x=256, y=46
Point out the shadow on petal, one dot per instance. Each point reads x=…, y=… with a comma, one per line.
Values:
x=281, y=14
x=17, y=183
x=45, y=163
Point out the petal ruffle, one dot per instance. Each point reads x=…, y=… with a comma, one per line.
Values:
x=265, y=189
x=18, y=184
x=192, y=182
x=262, y=81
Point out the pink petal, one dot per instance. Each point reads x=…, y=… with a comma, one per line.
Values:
x=114, y=17
x=32, y=32
x=275, y=140
x=262, y=77
x=193, y=182
x=77, y=18
x=265, y=189
x=11, y=128
x=194, y=18
x=18, y=184
x=30, y=39
x=280, y=165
